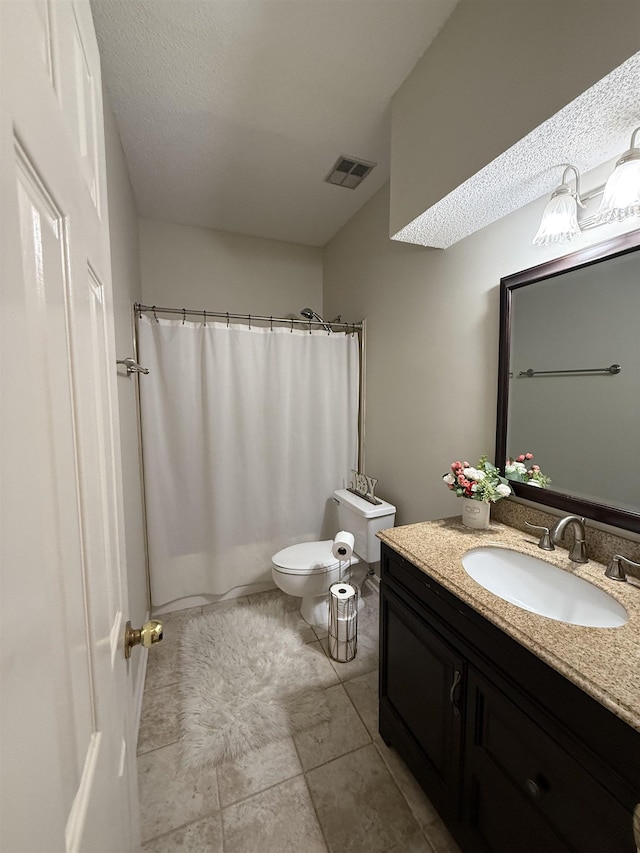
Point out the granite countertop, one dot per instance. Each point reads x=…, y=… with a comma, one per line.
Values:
x=604, y=662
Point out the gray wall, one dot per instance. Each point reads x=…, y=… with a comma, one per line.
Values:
x=432, y=319
x=200, y=268
x=125, y=267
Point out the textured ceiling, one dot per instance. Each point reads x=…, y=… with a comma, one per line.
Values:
x=232, y=112
x=593, y=128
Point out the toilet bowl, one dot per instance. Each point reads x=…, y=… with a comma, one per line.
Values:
x=308, y=569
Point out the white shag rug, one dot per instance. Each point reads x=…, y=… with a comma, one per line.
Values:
x=247, y=678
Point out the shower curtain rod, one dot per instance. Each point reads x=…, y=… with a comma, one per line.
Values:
x=226, y=315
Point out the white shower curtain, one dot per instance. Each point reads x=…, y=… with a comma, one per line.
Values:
x=246, y=433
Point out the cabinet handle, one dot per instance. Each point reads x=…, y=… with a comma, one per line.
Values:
x=457, y=677
x=533, y=789
x=536, y=787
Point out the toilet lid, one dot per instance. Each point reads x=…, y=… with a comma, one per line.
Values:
x=306, y=557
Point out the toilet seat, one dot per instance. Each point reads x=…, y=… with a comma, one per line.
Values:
x=308, y=558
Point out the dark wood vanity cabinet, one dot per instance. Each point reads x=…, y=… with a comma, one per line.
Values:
x=515, y=757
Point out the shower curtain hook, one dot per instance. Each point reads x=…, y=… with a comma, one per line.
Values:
x=227, y=319
x=205, y=317
x=292, y=325
x=184, y=316
x=154, y=314
x=249, y=322
x=271, y=323
x=309, y=326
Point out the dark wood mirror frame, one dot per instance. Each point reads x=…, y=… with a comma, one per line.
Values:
x=585, y=257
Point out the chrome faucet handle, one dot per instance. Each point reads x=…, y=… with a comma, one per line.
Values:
x=545, y=539
x=615, y=571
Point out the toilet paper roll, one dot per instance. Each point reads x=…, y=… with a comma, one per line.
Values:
x=343, y=591
x=342, y=547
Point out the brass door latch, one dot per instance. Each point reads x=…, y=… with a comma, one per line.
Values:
x=147, y=636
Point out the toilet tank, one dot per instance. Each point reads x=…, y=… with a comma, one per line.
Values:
x=364, y=520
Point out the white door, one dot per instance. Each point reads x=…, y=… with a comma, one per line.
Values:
x=67, y=764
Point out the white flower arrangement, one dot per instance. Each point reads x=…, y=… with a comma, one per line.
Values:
x=517, y=470
x=481, y=483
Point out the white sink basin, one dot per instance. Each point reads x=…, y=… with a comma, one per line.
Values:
x=542, y=588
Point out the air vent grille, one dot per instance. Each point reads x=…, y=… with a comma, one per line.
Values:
x=349, y=172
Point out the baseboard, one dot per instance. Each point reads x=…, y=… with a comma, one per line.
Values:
x=373, y=583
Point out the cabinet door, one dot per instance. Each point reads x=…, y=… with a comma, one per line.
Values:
x=523, y=792
x=421, y=685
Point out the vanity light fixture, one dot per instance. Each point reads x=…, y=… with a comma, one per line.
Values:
x=621, y=197
x=560, y=218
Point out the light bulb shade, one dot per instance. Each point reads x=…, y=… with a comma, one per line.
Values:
x=559, y=221
x=621, y=197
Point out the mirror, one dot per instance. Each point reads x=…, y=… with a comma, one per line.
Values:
x=569, y=380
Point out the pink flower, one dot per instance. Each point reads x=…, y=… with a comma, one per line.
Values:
x=528, y=455
x=465, y=465
x=535, y=467
x=520, y=458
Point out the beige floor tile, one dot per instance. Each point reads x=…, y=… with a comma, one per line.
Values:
x=242, y=601
x=315, y=669
x=170, y=796
x=159, y=722
x=440, y=838
x=162, y=664
x=204, y=836
x=359, y=805
x=291, y=603
x=343, y=733
x=173, y=622
x=257, y=770
x=417, y=843
x=420, y=805
x=366, y=659
x=363, y=692
x=279, y=820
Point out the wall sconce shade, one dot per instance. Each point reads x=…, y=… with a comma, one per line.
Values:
x=621, y=197
x=560, y=218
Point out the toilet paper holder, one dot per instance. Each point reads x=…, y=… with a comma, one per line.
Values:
x=343, y=622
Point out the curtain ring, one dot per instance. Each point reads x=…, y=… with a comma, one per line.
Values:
x=155, y=316
x=227, y=319
x=249, y=322
x=184, y=313
x=309, y=326
x=292, y=325
x=271, y=323
x=205, y=317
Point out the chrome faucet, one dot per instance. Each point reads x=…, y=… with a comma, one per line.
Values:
x=578, y=552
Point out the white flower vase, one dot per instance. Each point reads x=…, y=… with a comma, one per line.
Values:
x=475, y=513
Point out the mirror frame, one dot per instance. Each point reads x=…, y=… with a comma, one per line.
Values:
x=615, y=247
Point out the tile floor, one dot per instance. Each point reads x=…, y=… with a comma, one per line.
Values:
x=335, y=788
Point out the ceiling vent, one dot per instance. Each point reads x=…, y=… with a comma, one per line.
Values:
x=349, y=172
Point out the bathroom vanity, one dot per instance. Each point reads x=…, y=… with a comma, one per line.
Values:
x=523, y=731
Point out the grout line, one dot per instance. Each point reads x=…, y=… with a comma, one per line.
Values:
x=156, y=748
x=261, y=791
x=182, y=826
x=312, y=801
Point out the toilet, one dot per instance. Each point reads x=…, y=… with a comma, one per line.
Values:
x=308, y=569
